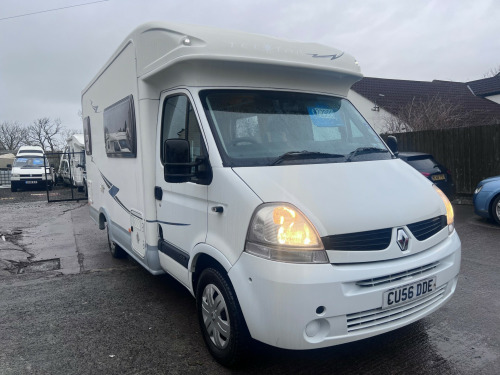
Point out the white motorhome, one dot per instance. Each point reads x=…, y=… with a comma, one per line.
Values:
x=247, y=175
x=71, y=169
x=31, y=168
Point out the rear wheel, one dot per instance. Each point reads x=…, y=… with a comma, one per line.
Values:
x=495, y=209
x=116, y=251
x=220, y=318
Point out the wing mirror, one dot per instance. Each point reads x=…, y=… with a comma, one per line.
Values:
x=178, y=166
x=392, y=142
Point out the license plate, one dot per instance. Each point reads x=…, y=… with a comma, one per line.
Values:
x=408, y=293
x=438, y=177
x=32, y=182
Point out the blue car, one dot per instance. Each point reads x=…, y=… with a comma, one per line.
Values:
x=487, y=199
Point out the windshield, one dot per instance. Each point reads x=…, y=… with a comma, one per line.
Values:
x=29, y=162
x=272, y=127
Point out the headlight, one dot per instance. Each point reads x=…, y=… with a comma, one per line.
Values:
x=15, y=175
x=478, y=189
x=280, y=232
x=450, y=216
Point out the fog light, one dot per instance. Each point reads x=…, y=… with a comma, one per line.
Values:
x=313, y=328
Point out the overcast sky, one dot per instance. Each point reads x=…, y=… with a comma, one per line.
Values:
x=46, y=59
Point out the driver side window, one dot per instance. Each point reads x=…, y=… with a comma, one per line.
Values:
x=179, y=122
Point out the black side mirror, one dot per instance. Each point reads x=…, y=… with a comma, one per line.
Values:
x=392, y=142
x=176, y=157
x=9, y=166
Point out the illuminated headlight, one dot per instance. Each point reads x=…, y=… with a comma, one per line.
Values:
x=478, y=189
x=280, y=232
x=450, y=216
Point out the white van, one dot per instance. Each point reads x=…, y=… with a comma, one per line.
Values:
x=31, y=168
x=71, y=169
x=247, y=175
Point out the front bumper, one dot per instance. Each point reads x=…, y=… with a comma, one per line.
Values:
x=302, y=306
x=481, y=202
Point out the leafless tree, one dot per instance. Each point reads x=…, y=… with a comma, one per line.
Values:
x=46, y=133
x=428, y=113
x=12, y=135
x=492, y=72
x=67, y=133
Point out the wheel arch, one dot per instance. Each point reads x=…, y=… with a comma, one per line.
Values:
x=490, y=204
x=205, y=256
x=103, y=218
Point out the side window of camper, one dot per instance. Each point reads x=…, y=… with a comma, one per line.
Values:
x=87, y=135
x=119, y=129
x=179, y=122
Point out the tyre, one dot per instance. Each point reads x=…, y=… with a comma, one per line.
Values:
x=116, y=251
x=221, y=321
x=13, y=188
x=495, y=209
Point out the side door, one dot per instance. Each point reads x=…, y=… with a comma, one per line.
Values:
x=181, y=208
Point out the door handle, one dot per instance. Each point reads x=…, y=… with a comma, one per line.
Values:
x=218, y=209
x=158, y=193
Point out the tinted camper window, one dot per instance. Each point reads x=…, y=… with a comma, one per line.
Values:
x=87, y=135
x=119, y=129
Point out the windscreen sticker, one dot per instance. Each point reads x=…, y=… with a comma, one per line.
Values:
x=323, y=116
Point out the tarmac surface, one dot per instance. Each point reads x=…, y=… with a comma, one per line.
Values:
x=67, y=307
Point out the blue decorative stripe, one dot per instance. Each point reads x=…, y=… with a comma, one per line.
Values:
x=121, y=204
x=106, y=181
x=113, y=191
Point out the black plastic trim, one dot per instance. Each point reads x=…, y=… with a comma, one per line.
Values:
x=174, y=252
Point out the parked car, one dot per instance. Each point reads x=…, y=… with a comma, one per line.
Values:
x=486, y=199
x=430, y=168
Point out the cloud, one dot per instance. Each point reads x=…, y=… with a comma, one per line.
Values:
x=47, y=59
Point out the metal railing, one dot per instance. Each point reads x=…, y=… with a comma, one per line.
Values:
x=5, y=176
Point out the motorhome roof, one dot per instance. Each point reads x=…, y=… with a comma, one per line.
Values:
x=77, y=139
x=160, y=45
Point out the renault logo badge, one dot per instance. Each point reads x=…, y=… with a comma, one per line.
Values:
x=403, y=239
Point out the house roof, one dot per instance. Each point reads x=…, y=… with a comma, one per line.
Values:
x=486, y=86
x=393, y=94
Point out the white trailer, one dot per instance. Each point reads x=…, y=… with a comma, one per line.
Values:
x=71, y=169
x=243, y=171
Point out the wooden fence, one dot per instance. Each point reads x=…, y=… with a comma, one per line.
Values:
x=471, y=154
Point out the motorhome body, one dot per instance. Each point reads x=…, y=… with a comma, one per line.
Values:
x=31, y=168
x=247, y=175
x=71, y=169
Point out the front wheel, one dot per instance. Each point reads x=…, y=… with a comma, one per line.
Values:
x=220, y=318
x=495, y=209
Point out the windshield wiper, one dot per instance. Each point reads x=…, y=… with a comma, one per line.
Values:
x=364, y=150
x=294, y=155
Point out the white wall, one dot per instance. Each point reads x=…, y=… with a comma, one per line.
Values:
x=494, y=98
x=377, y=119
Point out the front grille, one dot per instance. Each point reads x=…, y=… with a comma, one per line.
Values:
x=31, y=175
x=378, y=318
x=427, y=228
x=361, y=241
x=397, y=276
